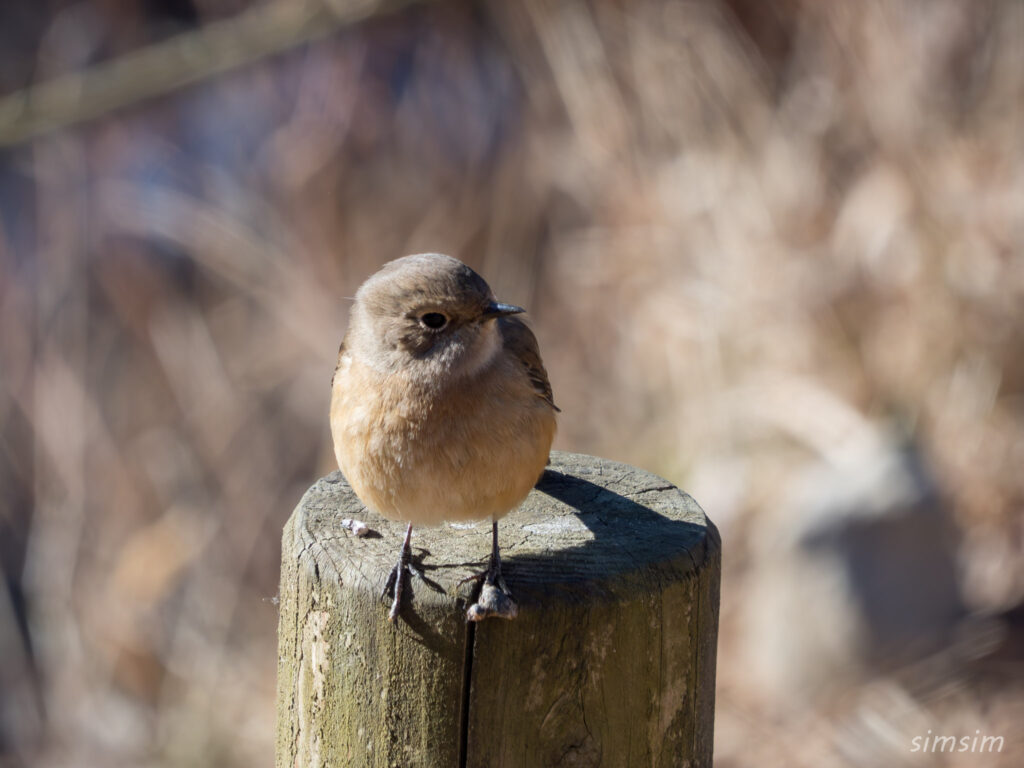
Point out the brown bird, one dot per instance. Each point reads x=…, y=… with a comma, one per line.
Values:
x=440, y=407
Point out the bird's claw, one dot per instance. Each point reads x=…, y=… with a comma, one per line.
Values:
x=394, y=587
x=494, y=601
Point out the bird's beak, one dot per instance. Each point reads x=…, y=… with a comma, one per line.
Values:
x=495, y=309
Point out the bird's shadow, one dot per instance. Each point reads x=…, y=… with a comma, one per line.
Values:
x=626, y=538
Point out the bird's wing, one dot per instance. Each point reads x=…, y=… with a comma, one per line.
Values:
x=337, y=365
x=521, y=342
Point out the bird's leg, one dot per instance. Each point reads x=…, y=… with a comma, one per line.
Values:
x=494, y=569
x=495, y=597
x=399, y=576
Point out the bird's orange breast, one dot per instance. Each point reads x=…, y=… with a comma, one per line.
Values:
x=425, y=454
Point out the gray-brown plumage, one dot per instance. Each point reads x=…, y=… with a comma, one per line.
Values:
x=441, y=408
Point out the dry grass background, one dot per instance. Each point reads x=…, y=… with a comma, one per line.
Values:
x=755, y=239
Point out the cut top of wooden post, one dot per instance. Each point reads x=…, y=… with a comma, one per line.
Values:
x=589, y=523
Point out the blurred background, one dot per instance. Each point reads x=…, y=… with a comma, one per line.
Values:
x=772, y=250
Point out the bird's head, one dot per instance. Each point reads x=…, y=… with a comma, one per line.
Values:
x=427, y=312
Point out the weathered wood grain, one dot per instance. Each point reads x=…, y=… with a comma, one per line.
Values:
x=610, y=663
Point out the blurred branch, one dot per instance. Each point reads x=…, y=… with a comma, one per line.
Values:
x=265, y=30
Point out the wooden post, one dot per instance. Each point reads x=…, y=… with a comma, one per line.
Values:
x=611, y=661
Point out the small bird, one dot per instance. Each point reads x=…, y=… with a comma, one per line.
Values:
x=440, y=408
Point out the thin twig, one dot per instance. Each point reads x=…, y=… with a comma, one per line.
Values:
x=187, y=58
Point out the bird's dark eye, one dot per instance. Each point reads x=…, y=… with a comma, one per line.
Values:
x=434, y=320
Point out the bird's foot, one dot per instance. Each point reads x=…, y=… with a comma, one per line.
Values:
x=495, y=598
x=493, y=601
x=398, y=579
x=395, y=586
